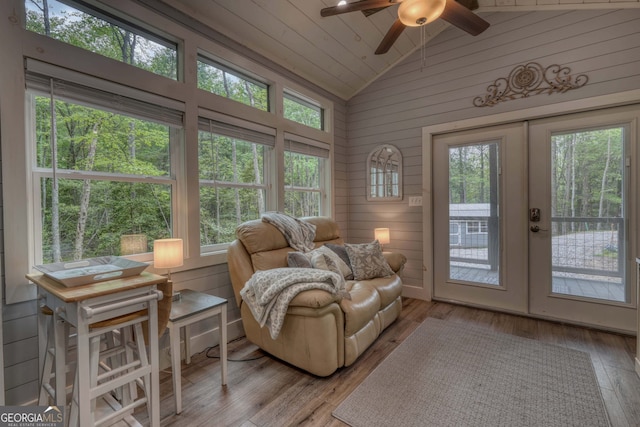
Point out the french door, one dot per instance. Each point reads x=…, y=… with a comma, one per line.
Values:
x=475, y=173
x=582, y=178
x=540, y=217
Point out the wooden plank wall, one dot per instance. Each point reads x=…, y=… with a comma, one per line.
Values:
x=604, y=44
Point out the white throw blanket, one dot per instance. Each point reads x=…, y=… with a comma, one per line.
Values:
x=269, y=292
x=299, y=234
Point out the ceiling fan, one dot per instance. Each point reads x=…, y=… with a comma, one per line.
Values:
x=415, y=13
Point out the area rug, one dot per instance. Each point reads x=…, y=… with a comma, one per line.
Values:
x=449, y=374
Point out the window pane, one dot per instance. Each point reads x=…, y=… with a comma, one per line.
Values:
x=589, y=214
x=303, y=112
x=232, y=185
x=223, y=208
x=85, y=215
x=103, y=34
x=233, y=85
x=474, y=194
x=230, y=159
x=303, y=193
x=302, y=203
x=94, y=215
x=302, y=170
x=89, y=139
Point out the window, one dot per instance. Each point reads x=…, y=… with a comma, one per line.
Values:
x=224, y=81
x=303, y=111
x=100, y=32
x=142, y=175
x=477, y=227
x=103, y=171
x=306, y=177
x=233, y=164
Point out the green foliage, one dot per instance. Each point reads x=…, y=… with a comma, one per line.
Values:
x=105, y=38
x=232, y=86
x=105, y=157
x=122, y=145
x=470, y=173
x=580, y=160
x=303, y=114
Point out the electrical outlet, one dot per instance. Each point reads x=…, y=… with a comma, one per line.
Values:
x=415, y=201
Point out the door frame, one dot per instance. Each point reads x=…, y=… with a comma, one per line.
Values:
x=425, y=291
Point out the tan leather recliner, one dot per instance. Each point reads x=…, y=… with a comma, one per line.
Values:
x=321, y=333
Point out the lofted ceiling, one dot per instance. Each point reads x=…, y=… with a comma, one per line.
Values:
x=337, y=52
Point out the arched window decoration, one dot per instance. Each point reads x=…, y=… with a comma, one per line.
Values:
x=384, y=174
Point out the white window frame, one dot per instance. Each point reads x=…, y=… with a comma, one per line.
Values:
x=37, y=173
x=269, y=167
x=322, y=151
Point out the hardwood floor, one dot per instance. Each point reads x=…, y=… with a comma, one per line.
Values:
x=263, y=391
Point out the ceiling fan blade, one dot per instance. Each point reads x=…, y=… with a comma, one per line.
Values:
x=392, y=35
x=469, y=4
x=356, y=5
x=458, y=15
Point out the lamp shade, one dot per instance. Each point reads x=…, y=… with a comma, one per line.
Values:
x=382, y=235
x=167, y=253
x=414, y=13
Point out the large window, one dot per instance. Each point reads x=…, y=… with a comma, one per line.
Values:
x=102, y=174
x=100, y=32
x=104, y=158
x=233, y=166
x=306, y=178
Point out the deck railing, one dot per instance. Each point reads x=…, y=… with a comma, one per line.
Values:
x=592, y=246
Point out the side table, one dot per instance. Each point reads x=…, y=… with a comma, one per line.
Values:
x=193, y=307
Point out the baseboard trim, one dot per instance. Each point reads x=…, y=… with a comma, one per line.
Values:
x=416, y=292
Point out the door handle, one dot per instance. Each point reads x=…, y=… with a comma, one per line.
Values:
x=535, y=228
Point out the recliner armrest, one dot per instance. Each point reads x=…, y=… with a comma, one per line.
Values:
x=396, y=260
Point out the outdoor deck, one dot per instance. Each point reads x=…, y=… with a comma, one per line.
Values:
x=565, y=284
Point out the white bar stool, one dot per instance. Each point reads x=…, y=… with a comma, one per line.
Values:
x=118, y=360
x=53, y=386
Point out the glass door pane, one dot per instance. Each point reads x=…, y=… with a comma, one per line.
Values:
x=474, y=223
x=587, y=213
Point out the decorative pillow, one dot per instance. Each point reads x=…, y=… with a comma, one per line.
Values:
x=344, y=268
x=341, y=251
x=367, y=261
x=298, y=260
x=323, y=262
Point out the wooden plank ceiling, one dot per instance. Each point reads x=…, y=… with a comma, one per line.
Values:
x=337, y=53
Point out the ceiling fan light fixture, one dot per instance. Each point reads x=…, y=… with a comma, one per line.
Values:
x=415, y=13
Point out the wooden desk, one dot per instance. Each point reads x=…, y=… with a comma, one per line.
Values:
x=190, y=308
x=83, y=305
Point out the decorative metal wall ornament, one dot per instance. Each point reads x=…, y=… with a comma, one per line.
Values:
x=530, y=79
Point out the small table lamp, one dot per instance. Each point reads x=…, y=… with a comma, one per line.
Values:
x=167, y=253
x=382, y=236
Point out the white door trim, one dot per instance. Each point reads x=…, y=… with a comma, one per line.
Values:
x=428, y=132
